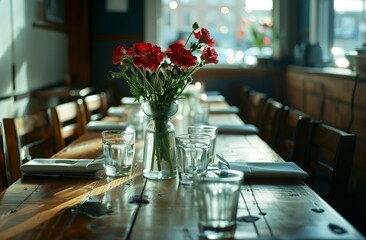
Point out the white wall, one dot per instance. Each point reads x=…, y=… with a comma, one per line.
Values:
x=5, y=47
x=39, y=55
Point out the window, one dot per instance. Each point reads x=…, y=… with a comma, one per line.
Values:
x=349, y=23
x=228, y=22
x=343, y=31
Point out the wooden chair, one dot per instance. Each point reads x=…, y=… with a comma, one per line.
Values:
x=256, y=105
x=244, y=103
x=96, y=106
x=329, y=162
x=27, y=137
x=69, y=122
x=3, y=175
x=272, y=115
x=291, y=143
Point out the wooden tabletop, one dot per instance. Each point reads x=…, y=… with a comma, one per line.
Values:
x=137, y=208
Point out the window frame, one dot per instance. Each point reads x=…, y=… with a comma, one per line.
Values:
x=154, y=23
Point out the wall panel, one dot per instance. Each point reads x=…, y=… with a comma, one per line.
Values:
x=327, y=95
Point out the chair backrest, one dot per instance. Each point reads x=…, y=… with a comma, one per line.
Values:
x=330, y=156
x=244, y=103
x=256, y=105
x=96, y=106
x=69, y=122
x=272, y=115
x=27, y=137
x=291, y=143
x=3, y=175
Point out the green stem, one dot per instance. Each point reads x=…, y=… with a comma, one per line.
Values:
x=158, y=158
x=185, y=44
x=152, y=158
x=163, y=143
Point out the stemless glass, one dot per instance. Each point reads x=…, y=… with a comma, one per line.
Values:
x=192, y=152
x=217, y=196
x=119, y=151
x=206, y=130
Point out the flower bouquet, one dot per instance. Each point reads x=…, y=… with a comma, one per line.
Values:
x=159, y=79
x=259, y=33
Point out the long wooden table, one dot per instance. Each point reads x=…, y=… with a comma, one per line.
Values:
x=138, y=208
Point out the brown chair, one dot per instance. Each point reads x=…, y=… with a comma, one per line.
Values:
x=291, y=143
x=244, y=103
x=256, y=105
x=27, y=137
x=96, y=106
x=329, y=162
x=69, y=122
x=3, y=175
x=272, y=115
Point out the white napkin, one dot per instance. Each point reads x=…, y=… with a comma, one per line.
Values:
x=215, y=98
x=237, y=129
x=103, y=125
x=229, y=109
x=269, y=169
x=60, y=166
x=116, y=111
x=129, y=101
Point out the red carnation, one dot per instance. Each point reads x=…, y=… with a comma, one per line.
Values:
x=209, y=55
x=145, y=55
x=180, y=56
x=203, y=36
x=118, y=53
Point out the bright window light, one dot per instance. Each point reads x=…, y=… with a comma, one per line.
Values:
x=173, y=5
x=225, y=10
x=342, y=62
x=226, y=22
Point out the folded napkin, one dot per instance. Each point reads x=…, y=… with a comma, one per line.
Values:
x=215, y=98
x=212, y=93
x=116, y=111
x=230, y=109
x=237, y=129
x=103, y=125
x=62, y=166
x=129, y=101
x=269, y=169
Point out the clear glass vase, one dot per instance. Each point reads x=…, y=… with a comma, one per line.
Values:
x=159, y=146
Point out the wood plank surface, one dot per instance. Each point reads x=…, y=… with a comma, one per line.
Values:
x=134, y=207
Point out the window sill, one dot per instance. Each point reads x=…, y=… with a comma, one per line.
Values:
x=342, y=72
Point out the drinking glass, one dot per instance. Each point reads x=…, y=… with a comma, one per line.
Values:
x=206, y=130
x=192, y=152
x=119, y=151
x=217, y=196
x=200, y=113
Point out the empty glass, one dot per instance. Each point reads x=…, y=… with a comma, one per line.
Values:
x=217, y=196
x=192, y=152
x=119, y=151
x=206, y=130
x=200, y=113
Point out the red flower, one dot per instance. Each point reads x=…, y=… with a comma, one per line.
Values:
x=145, y=55
x=267, y=24
x=203, y=36
x=266, y=41
x=240, y=34
x=144, y=64
x=209, y=54
x=180, y=56
x=118, y=53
